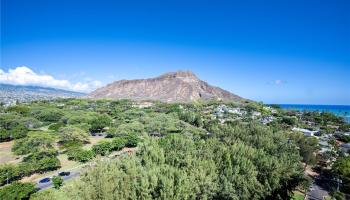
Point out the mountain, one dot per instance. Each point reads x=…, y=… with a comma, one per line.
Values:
x=12, y=93
x=181, y=86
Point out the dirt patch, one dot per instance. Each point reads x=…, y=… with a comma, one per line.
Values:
x=6, y=155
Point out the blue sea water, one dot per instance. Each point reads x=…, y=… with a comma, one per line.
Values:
x=339, y=110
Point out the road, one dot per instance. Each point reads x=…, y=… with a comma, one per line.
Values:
x=317, y=190
x=43, y=186
x=75, y=172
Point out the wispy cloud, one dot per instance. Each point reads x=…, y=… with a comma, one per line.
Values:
x=277, y=82
x=25, y=76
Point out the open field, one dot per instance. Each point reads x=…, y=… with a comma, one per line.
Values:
x=6, y=155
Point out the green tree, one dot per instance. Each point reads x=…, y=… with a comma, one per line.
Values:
x=57, y=182
x=20, y=109
x=34, y=142
x=102, y=148
x=8, y=173
x=80, y=155
x=17, y=191
x=47, y=114
x=73, y=134
x=100, y=122
x=40, y=161
x=341, y=168
x=56, y=126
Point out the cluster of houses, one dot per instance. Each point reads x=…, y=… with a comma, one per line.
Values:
x=324, y=141
x=236, y=113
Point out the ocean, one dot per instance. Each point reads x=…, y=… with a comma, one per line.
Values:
x=339, y=110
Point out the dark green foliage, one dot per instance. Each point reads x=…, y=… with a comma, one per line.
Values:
x=35, y=162
x=80, y=155
x=191, y=118
x=57, y=182
x=345, y=138
x=341, y=168
x=16, y=132
x=291, y=121
x=8, y=120
x=8, y=172
x=40, y=162
x=20, y=109
x=103, y=148
x=11, y=128
x=118, y=143
x=307, y=147
x=56, y=126
x=231, y=165
x=100, y=122
x=36, y=141
x=131, y=140
x=17, y=191
x=73, y=134
x=337, y=195
x=4, y=135
x=185, y=153
x=47, y=114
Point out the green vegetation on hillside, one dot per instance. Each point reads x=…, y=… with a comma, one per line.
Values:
x=203, y=150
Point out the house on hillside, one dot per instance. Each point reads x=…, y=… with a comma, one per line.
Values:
x=306, y=132
x=345, y=148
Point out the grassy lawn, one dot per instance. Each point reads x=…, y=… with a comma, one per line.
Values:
x=6, y=155
x=298, y=196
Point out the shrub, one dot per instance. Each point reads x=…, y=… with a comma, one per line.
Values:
x=102, y=148
x=118, y=143
x=48, y=114
x=5, y=135
x=36, y=141
x=57, y=182
x=131, y=140
x=56, y=126
x=73, y=134
x=17, y=190
x=289, y=120
x=99, y=122
x=16, y=131
x=8, y=173
x=40, y=162
x=80, y=155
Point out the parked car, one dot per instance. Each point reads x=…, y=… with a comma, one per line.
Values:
x=64, y=173
x=45, y=180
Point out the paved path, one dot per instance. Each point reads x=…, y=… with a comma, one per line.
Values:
x=75, y=172
x=43, y=186
x=317, y=192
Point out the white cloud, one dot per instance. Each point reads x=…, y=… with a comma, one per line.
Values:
x=25, y=76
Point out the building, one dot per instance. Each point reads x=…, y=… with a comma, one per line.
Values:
x=306, y=132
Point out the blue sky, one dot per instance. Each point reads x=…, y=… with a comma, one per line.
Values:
x=272, y=51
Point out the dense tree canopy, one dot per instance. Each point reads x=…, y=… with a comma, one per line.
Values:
x=184, y=151
x=17, y=191
x=73, y=134
x=36, y=141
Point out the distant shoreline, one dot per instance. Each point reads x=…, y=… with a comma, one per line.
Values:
x=339, y=110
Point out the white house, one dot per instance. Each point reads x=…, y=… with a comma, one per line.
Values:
x=306, y=132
